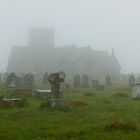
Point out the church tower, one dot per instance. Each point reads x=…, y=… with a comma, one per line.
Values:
x=41, y=37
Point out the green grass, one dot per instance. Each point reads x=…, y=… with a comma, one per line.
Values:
x=82, y=122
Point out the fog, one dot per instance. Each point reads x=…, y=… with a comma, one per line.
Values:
x=100, y=24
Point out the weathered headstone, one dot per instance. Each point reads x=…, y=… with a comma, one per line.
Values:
x=12, y=81
x=76, y=81
x=56, y=98
x=95, y=83
x=45, y=78
x=85, y=81
x=136, y=91
x=67, y=86
x=131, y=80
x=108, y=81
x=29, y=81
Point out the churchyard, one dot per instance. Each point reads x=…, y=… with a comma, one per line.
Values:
x=89, y=113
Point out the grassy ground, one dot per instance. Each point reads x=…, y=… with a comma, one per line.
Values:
x=98, y=116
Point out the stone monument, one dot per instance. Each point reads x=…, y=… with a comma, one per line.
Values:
x=136, y=91
x=12, y=81
x=56, y=95
x=108, y=81
x=76, y=81
x=131, y=80
x=85, y=82
x=28, y=81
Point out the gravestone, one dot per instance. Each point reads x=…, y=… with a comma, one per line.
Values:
x=94, y=83
x=56, y=95
x=45, y=78
x=67, y=86
x=20, y=83
x=131, y=80
x=108, y=81
x=12, y=81
x=136, y=91
x=85, y=81
x=76, y=81
x=28, y=81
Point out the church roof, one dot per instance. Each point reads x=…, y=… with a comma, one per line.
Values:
x=62, y=54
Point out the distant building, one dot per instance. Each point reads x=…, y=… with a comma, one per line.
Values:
x=42, y=56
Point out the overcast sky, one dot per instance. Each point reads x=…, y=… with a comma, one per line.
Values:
x=102, y=24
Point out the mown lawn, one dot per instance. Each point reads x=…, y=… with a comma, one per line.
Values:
x=90, y=118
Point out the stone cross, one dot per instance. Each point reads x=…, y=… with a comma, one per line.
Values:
x=55, y=79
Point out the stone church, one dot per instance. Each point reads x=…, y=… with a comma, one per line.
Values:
x=41, y=55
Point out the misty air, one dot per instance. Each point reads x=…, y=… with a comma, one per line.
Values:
x=69, y=70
